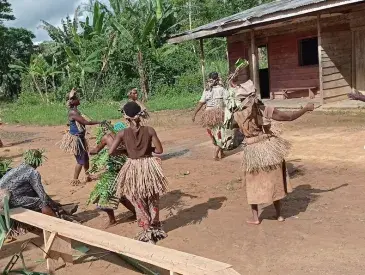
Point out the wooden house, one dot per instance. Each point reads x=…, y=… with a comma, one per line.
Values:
x=314, y=48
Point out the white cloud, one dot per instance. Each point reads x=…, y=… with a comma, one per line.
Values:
x=28, y=14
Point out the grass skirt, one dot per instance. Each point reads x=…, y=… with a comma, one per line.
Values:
x=212, y=117
x=73, y=144
x=264, y=153
x=141, y=178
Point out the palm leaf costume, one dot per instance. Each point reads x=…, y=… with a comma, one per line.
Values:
x=104, y=192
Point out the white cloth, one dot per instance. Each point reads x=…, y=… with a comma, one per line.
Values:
x=214, y=97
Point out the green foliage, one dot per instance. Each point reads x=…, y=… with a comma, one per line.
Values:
x=5, y=166
x=34, y=157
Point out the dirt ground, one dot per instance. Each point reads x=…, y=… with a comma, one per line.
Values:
x=205, y=210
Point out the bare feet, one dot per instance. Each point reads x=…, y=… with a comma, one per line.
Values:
x=253, y=222
x=111, y=223
x=281, y=219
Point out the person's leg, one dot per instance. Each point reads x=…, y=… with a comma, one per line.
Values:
x=1, y=144
x=255, y=215
x=216, y=152
x=277, y=205
x=77, y=172
x=127, y=204
x=111, y=216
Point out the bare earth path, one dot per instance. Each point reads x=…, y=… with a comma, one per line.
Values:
x=205, y=210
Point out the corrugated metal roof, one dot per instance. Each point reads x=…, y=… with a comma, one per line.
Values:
x=257, y=12
x=269, y=9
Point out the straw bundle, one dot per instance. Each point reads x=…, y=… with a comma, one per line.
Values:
x=72, y=144
x=267, y=153
x=141, y=178
x=212, y=117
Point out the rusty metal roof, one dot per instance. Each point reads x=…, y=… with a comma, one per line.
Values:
x=262, y=13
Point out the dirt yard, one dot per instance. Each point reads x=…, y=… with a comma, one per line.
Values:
x=205, y=210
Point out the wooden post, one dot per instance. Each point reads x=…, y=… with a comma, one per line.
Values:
x=202, y=60
x=320, y=58
x=254, y=63
x=353, y=63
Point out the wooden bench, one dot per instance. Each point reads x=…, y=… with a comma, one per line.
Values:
x=288, y=91
x=59, y=233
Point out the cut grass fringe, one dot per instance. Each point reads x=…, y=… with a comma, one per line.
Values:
x=266, y=154
x=212, y=117
x=141, y=178
x=72, y=144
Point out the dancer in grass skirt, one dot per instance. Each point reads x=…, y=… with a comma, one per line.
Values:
x=213, y=115
x=141, y=179
x=264, y=152
x=74, y=140
x=104, y=192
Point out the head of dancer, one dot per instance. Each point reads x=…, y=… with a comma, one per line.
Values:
x=73, y=99
x=133, y=94
x=132, y=112
x=213, y=80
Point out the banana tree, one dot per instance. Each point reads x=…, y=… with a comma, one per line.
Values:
x=136, y=25
x=80, y=65
x=31, y=70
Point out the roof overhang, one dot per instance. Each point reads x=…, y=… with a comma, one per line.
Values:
x=224, y=29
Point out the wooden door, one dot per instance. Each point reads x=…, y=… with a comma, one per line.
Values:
x=360, y=60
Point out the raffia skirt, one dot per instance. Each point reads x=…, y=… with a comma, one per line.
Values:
x=265, y=173
x=141, y=178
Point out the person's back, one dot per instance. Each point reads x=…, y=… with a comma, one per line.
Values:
x=138, y=142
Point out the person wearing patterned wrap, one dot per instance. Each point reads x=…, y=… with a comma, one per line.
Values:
x=141, y=179
x=213, y=98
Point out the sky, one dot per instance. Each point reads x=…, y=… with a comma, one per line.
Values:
x=28, y=14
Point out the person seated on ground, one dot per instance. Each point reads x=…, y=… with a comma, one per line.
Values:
x=111, y=202
x=24, y=185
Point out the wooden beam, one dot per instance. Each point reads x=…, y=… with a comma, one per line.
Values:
x=51, y=268
x=49, y=243
x=169, y=259
x=202, y=60
x=254, y=64
x=320, y=58
x=353, y=61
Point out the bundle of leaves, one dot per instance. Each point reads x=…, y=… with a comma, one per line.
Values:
x=5, y=166
x=104, y=189
x=99, y=162
x=34, y=157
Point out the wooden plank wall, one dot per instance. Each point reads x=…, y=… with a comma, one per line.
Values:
x=336, y=62
x=357, y=23
x=237, y=48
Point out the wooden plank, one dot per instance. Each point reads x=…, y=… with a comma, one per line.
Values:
x=335, y=98
x=49, y=243
x=166, y=258
x=320, y=68
x=360, y=59
x=202, y=61
x=353, y=65
x=51, y=268
x=334, y=69
x=334, y=84
x=330, y=64
x=336, y=76
x=255, y=69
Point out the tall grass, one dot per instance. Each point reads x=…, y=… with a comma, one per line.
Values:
x=56, y=114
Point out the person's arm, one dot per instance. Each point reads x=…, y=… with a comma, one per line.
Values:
x=290, y=116
x=113, y=150
x=197, y=109
x=75, y=116
x=356, y=96
x=99, y=147
x=36, y=183
x=156, y=142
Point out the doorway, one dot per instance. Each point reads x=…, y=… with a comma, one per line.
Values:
x=264, y=75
